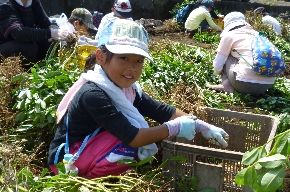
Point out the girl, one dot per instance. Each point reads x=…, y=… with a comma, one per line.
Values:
x=100, y=119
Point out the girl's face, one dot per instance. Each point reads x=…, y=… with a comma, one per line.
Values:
x=123, y=69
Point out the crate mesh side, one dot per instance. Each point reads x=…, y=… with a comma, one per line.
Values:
x=246, y=131
x=187, y=169
x=253, y=135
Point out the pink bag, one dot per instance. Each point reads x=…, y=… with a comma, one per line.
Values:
x=92, y=162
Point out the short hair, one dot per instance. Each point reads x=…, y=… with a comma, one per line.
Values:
x=71, y=20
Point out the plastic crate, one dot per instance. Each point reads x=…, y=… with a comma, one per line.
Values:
x=213, y=166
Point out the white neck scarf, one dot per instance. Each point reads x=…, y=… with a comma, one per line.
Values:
x=29, y=2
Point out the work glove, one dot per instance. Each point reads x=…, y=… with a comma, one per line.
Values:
x=187, y=126
x=214, y=134
x=83, y=40
x=62, y=34
x=183, y=126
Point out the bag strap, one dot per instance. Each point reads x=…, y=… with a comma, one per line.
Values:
x=234, y=50
x=66, y=144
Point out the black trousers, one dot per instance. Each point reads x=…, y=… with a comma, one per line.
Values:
x=31, y=51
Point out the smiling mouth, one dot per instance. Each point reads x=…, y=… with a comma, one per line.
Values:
x=128, y=77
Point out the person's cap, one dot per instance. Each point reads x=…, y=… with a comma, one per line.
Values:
x=207, y=3
x=83, y=15
x=122, y=8
x=259, y=10
x=123, y=36
x=233, y=19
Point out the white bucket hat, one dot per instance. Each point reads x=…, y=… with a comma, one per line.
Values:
x=124, y=36
x=233, y=19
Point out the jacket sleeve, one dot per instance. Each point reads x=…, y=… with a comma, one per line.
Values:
x=211, y=23
x=25, y=34
x=8, y=20
x=42, y=20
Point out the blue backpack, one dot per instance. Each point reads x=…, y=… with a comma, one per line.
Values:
x=183, y=13
x=267, y=59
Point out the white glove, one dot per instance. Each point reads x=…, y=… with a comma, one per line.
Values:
x=62, y=34
x=215, y=134
x=85, y=40
x=183, y=126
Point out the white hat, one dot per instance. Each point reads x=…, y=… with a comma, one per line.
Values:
x=123, y=8
x=233, y=19
x=123, y=36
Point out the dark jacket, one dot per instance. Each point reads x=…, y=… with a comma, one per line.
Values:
x=24, y=24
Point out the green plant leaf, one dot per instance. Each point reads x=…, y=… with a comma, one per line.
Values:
x=42, y=104
x=272, y=161
x=280, y=144
x=288, y=147
x=17, y=78
x=128, y=162
x=28, y=94
x=262, y=152
x=250, y=176
x=24, y=127
x=20, y=117
x=240, y=177
x=258, y=166
x=273, y=179
x=22, y=94
x=147, y=160
x=257, y=185
x=25, y=176
x=251, y=156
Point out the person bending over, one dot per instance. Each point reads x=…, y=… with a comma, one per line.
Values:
x=200, y=19
x=236, y=74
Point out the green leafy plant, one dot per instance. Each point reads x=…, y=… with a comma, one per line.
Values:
x=178, y=63
x=206, y=37
x=40, y=92
x=274, y=103
x=266, y=170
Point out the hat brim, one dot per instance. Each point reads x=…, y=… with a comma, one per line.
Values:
x=90, y=25
x=124, y=14
x=128, y=49
x=232, y=25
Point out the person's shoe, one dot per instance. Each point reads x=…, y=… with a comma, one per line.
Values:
x=225, y=86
